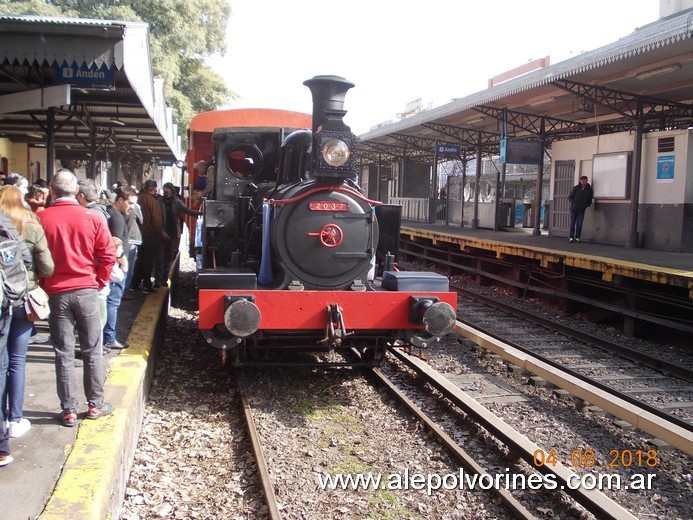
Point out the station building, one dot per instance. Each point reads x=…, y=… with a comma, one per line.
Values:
x=621, y=114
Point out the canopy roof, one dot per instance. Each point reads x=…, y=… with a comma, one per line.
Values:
x=647, y=74
x=91, y=82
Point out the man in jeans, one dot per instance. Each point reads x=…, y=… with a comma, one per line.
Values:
x=117, y=211
x=580, y=199
x=83, y=252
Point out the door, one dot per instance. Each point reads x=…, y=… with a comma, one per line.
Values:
x=560, y=210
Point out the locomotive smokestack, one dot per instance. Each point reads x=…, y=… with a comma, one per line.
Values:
x=328, y=99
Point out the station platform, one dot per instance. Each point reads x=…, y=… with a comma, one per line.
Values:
x=659, y=267
x=81, y=472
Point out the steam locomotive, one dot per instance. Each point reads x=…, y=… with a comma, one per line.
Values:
x=291, y=254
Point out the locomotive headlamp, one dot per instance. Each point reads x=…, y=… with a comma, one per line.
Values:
x=335, y=152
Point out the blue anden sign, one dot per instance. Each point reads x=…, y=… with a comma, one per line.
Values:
x=84, y=75
x=448, y=149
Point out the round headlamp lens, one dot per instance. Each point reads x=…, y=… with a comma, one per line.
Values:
x=335, y=152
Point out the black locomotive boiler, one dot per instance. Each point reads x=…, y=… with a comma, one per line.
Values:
x=294, y=256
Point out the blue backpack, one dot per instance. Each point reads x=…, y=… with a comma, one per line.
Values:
x=12, y=271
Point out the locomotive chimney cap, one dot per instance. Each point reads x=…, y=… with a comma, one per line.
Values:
x=328, y=97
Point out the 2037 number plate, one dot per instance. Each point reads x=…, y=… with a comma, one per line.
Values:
x=328, y=205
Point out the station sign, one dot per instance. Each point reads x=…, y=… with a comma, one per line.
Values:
x=84, y=76
x=165, y=162
x=448, y=149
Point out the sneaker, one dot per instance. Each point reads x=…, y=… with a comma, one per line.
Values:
x=69, y=418
x=17, y=429
x=571, y=239
x=114, y=345
x=148, y=290
x=577, y=239
x=95, y=413
x=6, y=459
x=40, y=338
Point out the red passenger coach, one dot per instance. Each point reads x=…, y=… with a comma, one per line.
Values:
x=290, y=253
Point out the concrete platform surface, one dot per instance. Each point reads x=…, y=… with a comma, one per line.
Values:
x=41, y=456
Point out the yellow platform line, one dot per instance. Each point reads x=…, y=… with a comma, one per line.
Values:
x=95, y=474
x=607, y=266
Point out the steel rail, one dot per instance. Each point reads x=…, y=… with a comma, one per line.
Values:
x=270, y=497
x=467, y=461
x=662, y=365
x=677, y=435
x=591, y=499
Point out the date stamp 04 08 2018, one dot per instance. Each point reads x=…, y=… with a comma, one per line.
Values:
x=588, y=458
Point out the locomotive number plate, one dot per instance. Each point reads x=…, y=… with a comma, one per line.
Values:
x=328, y=205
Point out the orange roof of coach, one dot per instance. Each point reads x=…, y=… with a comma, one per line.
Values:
x=249, y=117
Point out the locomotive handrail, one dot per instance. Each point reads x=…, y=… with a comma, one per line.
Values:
x=322, y=188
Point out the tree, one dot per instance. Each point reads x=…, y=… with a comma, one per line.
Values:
x=182, y=34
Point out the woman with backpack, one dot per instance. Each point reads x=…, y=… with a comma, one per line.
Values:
x=27, y=224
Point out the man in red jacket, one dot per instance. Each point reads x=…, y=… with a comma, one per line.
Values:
x=83, y=252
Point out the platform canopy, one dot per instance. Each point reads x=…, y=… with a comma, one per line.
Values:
x=645, y=77
x=84, y=87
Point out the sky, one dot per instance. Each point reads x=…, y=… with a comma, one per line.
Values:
x=396, y=51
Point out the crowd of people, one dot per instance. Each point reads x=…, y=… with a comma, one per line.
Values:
x=87, y=250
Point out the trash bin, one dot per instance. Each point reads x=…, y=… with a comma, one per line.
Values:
x=527, y=214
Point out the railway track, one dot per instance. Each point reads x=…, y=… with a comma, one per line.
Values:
x=520, y=447
x=256, y=442
x=594, y=365
x=514, y=315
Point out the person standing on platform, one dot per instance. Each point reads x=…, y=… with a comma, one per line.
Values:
x=5, y=319
x=153, y=235
x=83, y=253
x=125, y=198
x=27, y=225
x=580, y=199
x=134, y=221
x=173, y=207
x=88, y=196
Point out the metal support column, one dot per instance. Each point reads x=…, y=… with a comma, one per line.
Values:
x=477, y=185
x=635, y=182
x=464, y=181
x=540, y=184
x=433, y=204
x=50, y=143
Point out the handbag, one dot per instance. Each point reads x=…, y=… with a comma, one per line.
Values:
x=37, y=307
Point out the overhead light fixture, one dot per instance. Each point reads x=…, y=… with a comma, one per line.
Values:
x=149, y=150
x=544, y=101
x=137, y=139
x=117, y=121
x=37, y=135
x=475, y=120
x=658, y=71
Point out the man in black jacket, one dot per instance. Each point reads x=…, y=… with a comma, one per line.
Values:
x=580, y=199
